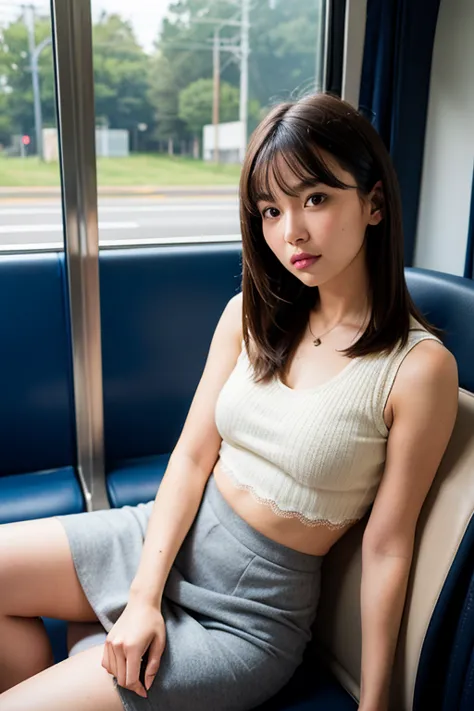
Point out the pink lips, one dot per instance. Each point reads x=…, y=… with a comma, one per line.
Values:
x=305, y=263
x=301, y=255
x=303, y=260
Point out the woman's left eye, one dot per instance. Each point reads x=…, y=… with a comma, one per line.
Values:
x=318, y=199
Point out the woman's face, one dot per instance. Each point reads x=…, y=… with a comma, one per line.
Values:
x=327, y=223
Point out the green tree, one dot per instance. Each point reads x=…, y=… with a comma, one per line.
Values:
x=283, y=47
x=196, y=101
x=6, y=129
x=163, y=95
x=121, y=75
x=184, y=55
x=16, y=92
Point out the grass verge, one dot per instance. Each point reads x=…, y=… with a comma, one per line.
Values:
x=135, y=170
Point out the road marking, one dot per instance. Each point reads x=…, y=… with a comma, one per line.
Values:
x=125, y=243
x=123, y=208
x=18, y=229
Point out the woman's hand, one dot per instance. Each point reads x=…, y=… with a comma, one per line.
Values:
x=140, y=627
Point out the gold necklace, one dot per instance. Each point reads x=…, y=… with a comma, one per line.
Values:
x=317, y=339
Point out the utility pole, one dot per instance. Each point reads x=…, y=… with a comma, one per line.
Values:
x=244, y=76
x=217, y=88
x=241, y=53
x=29, y=19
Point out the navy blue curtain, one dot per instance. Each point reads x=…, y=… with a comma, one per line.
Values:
x=469, y=264
x=395, y=88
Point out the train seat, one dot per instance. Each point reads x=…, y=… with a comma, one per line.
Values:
x=159, y=309
x=37, y=442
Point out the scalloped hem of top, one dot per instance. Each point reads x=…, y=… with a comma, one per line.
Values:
x=312, y=523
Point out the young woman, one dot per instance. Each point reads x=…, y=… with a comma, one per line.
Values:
x=324, y=392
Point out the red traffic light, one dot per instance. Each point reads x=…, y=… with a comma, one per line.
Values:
x=26, y=140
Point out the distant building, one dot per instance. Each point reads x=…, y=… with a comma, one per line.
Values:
x=109, y=143
x=229, y=141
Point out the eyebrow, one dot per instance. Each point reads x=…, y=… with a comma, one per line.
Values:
x=298, y=188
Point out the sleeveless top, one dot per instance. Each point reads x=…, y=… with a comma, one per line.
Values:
x=316, y=454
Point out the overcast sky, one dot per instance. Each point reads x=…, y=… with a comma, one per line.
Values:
x=145, y=15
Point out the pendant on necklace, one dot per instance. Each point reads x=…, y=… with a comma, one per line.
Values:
x=317, y=342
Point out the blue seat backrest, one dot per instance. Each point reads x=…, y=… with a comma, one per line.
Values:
x=159, y=309
x=448, y=302
x=37, y=414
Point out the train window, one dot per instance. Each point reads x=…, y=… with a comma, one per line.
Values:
x=178, y=90
x=30, y=199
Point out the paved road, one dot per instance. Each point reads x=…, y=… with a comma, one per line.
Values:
x=128, y=219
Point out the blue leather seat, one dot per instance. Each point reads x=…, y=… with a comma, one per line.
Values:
x=159, y=310
x=136, y=480
x=448, y=303
x=37, y=440
x=28, y=496
x=311, y=688
x=37, y=432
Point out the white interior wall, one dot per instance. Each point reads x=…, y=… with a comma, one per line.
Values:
x=449, y=144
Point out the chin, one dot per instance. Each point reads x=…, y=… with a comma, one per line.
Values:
x=311, y=279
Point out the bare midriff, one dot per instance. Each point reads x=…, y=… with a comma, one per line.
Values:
x=291, y=532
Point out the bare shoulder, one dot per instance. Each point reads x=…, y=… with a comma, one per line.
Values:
x=429, y=373
x=428, y=363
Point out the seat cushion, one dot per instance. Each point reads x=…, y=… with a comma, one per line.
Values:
x=312, y=687
x=28, y=496
x=135, y=481
x=57, y=633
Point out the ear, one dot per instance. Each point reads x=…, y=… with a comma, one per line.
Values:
x=377, y=202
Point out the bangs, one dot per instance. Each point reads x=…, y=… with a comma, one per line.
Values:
x=286, y=148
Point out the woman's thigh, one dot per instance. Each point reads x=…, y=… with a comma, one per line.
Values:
x=37, y=574
x=77, y=684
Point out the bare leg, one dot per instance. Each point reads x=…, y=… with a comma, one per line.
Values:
x=37, y=578
x=77, y=684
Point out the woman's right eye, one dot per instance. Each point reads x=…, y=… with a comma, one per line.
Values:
x=270, y=212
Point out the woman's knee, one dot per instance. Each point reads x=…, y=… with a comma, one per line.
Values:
x=37, y=574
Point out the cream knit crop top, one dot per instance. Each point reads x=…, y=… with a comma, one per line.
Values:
x=316, y=454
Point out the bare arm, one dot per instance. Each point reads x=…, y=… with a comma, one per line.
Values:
x=424, y=405
x=191, y=463
x=141, y=625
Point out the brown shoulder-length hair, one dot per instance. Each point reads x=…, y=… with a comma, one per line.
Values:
x=276, y=305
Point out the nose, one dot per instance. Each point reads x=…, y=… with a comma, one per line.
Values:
x=294, y=227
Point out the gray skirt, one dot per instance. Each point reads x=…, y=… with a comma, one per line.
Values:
x=238, y=607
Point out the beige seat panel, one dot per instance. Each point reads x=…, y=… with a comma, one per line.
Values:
x=443, y=522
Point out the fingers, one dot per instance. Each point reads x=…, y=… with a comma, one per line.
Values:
x=132, y=680
x=120, y=664
x=124, y=665
x=154, y=658
x=106, y=662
